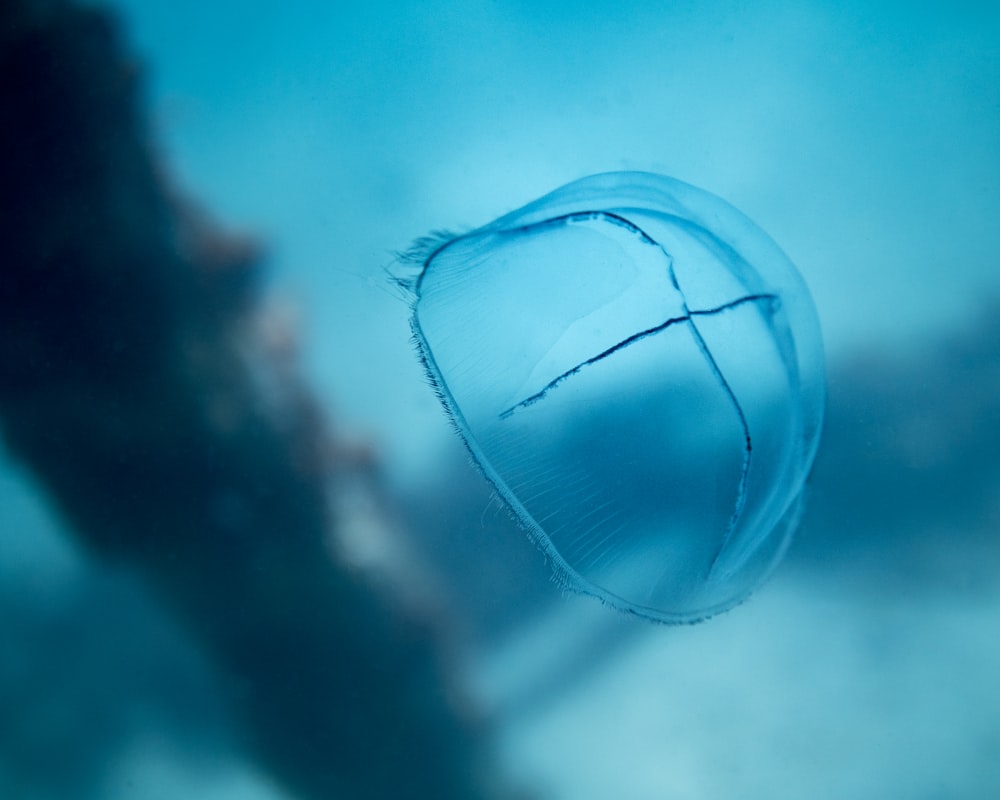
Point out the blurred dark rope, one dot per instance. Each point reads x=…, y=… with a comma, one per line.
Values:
x=175, y=439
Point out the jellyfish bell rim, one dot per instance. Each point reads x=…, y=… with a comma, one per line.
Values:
x=568, y=577
x=648, y=193
x=688, y=203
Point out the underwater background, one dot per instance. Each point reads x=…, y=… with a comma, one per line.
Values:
x=135, y=660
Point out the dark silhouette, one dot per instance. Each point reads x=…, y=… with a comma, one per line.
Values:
x=177, y=439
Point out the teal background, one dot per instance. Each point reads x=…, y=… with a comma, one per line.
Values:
x=864, y=137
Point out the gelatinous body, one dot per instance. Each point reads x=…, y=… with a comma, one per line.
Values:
x=638, y=370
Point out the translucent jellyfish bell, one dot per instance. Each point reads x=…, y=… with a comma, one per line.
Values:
x=638, y=370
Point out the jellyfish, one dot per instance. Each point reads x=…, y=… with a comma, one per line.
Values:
x=637, y=368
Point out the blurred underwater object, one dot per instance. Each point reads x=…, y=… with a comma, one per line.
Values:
x=638, y=369
x=908, y=479
x=159, y=404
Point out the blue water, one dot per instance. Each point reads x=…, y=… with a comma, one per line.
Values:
x=863, y=137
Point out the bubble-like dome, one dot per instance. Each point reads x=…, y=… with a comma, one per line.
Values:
x=638, y=369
